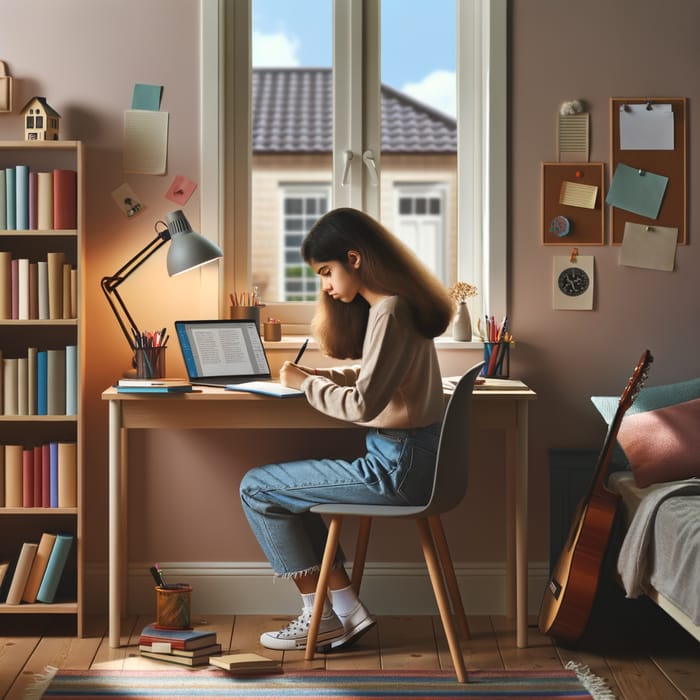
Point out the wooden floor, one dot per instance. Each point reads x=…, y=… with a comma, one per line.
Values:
x=644, y=656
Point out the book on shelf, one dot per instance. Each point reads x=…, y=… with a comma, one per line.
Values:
x=13, y=476
x=33, y=194
x=21, y=573
x=56, y=381
x=64, y=199
x=46, y=475
x=178, y=639
x=27, y=478
x=38, y=476
x=185, y=657
x=5, y=284
x=44, y=201
x=10, y=199
x=36, y=573
x=22, y=197
x=67, y=469
x=245, y=662
x=55, y=568
x=3, y=195
x=4, y=567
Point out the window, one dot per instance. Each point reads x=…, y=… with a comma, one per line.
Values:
x=473, y=204
x=301, y=207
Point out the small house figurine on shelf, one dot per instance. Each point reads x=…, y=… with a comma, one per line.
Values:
x=462, y=323
x=40, y=120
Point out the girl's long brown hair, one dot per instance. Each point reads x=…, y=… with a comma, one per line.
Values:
x=388, y=267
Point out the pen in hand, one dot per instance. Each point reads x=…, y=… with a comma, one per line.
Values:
x=301, y=351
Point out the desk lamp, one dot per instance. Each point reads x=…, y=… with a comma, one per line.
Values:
x=188, y=250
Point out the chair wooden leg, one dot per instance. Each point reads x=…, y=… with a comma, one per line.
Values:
x=358, y=565
x=433, y=565
x=448, y=571
x=322, y=586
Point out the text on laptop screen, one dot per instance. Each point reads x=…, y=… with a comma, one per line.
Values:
x=220, y=348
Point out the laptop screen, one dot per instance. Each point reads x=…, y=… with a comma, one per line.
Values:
x=222, y=352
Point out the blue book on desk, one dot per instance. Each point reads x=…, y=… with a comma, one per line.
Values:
x=154, y=389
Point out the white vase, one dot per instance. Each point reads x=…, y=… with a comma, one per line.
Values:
x=462, y=324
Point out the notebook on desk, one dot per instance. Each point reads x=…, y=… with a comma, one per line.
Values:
x=228, y=354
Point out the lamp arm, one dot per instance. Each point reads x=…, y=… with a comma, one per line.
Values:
x=110, y=283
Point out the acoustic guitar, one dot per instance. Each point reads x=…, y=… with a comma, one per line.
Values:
x=569, y=595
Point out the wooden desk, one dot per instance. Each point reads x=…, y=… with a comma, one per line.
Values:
x=216, y=408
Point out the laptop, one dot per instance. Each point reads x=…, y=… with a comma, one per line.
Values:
x=227, y=353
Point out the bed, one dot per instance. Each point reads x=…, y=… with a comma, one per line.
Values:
x=660, y=553
x=655, y=468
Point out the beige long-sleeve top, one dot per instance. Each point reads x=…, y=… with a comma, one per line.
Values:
x=398, y=384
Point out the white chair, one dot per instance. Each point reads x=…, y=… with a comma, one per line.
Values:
x=449, y=486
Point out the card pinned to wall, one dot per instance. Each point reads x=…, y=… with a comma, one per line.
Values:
x=145, y=142
x=646, y=127
x=650, y=247
x=127, y=200
x=180, y=190
x=572, y=282
x=637, y=190
x=573, y=137
x=576, y=194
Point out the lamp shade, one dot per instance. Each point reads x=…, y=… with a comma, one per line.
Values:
x=188, y=249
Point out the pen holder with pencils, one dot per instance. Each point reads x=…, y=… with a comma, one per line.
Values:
x=249, y=312
x=150, y=362
x=173, y=604
x=497, y=359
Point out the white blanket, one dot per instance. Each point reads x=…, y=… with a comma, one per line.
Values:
x=666, y=557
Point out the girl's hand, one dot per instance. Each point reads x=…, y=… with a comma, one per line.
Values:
x=292, y=375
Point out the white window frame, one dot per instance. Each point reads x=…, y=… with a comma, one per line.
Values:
x=225, y=191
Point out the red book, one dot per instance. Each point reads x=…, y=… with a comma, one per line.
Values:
x=27, y=478
x=38, y=481
x=65, y=205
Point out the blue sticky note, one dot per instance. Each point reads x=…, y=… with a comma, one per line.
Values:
x=636, y=190
x=146, y=97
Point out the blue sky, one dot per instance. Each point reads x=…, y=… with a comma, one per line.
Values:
x=418, y=46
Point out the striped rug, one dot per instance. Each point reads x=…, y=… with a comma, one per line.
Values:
x=313, y=685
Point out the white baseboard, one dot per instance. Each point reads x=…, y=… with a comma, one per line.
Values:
x=251, y=588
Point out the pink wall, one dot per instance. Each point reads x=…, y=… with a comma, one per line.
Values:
x=85, y=57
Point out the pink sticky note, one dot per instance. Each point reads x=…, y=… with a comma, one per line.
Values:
x=180, y=190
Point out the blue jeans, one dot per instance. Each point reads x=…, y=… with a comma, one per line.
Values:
x=398, y=469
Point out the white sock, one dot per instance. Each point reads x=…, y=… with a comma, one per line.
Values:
x=308, y=601
x=345, y=600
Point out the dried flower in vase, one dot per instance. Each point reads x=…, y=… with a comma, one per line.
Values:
x=461, y=291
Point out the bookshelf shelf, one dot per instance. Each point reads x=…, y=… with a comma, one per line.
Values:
x=22, y=336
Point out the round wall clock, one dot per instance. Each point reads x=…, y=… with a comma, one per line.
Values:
x=573, y=281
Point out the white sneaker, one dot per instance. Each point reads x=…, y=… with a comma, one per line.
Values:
x=355, y=624
x=294, y=635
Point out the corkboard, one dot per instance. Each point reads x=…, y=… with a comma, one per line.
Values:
x=671, y=163
x=587, y=225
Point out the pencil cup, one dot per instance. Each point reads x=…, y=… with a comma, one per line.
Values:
x=173, y=606
x=150, y=362
x=272, y=330
x=250, y=312
x=497, y=359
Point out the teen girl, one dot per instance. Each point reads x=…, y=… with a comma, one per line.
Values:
x=380, y=304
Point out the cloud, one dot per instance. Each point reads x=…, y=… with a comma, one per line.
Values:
x=275, y=50
x=438, y=90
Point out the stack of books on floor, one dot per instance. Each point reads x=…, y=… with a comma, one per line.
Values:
x=191, y=647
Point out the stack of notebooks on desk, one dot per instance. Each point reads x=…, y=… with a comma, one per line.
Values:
x=153, y=386
x=191, y=647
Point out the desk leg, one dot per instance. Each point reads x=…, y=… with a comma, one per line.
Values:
x=521, y=515
x=115, y=522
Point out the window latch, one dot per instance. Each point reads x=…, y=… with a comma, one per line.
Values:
x=347, y=161
x=368, y=160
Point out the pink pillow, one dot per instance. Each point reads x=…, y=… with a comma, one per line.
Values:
x=663, y=444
